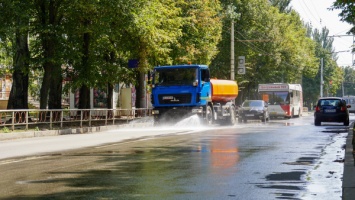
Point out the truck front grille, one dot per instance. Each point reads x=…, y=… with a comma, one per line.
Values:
x=174, y=98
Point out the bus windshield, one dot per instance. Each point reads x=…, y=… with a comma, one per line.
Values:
x=175, y=76
x=276, y=98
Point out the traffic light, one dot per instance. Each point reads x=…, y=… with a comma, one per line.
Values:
x=241, y=65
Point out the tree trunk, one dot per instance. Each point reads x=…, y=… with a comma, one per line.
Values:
x=143, y=90
x=138, y=94
x=18, y=98
x=109, y=95
x=109, y=99
x=55, y=92
x=51, y=89
x=43, y=100
x=84, y=100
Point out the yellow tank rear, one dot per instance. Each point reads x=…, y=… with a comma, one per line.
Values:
x=224, y=90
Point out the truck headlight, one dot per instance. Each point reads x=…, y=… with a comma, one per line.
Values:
x=196, y=110
x=155, y=112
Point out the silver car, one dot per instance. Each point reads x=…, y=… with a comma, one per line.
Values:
x=253, y=109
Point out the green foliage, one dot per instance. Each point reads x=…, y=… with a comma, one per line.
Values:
x=201, y=32
x=347, y=13
x=283, y=5
x=274, y=42
x=92, y=41
x=348, y=82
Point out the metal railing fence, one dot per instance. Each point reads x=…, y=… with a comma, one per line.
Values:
x=59, y=118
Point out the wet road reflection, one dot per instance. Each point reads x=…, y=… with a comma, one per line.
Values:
x=247, y=161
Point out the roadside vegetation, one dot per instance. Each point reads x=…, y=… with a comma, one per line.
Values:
x=89, y=43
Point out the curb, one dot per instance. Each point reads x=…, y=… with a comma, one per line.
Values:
x=83, y=130
x=348, y=186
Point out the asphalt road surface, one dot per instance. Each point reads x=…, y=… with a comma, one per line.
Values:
x=279, y=159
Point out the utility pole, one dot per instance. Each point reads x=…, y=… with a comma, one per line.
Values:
x=230, y=12
x=232, y=50
x=321, y=77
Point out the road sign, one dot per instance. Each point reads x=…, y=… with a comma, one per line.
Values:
x=241, y=64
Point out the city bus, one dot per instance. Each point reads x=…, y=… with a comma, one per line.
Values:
x=284, y=100
x=350, y=100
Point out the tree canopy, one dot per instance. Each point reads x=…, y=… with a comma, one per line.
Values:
x=91, y=42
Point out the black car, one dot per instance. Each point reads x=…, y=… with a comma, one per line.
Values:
x=253, y=109
x=331, y=109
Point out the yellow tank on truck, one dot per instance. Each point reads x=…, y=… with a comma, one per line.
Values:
x=224, y=90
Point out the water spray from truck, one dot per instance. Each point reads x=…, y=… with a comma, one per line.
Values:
x=180, y=91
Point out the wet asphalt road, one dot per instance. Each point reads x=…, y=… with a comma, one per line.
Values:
x=251, y=160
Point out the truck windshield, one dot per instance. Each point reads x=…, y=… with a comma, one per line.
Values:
x=175, y=76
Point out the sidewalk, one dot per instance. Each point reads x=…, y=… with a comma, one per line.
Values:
x=68, y=131
x=349, y=168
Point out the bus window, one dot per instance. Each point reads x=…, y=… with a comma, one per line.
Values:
x=276, y=98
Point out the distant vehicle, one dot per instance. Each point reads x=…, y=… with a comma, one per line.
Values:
x=285, y=100
x=331, y=109
x=253, y=109
x=350, y=100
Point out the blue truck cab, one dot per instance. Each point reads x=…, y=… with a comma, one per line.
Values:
x=180, y=91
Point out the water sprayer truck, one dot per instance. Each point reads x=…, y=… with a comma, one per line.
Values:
x=180, y=91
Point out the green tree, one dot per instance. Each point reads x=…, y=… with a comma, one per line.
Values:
x=274, y=43
x=14, y=34
x=283, y=5
x=347, y=13
x=48, y=49
x=201, y=32
x=348, y=82
x=332, y=74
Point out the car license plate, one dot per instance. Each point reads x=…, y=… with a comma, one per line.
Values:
x=330, y=111
x=249, y=115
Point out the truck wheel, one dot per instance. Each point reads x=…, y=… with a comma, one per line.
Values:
x=209, y=116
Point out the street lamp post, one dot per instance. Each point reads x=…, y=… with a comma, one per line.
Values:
x=232, y=50
x=230, y=12
x=321, y=77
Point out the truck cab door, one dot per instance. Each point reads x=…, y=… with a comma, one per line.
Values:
x=205, y=95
